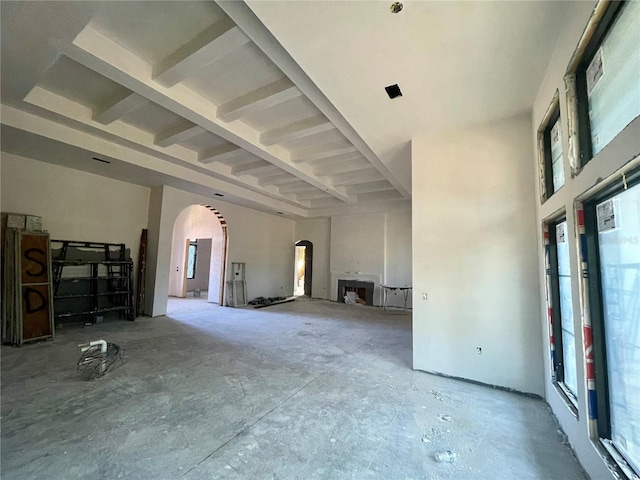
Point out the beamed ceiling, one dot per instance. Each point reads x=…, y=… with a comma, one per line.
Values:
x=204, y=97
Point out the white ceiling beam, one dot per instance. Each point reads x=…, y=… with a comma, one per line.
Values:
x=281, y=179
x=312, y=195
x=335, y=168
x=378, y=186
x=360, y=176
x=157, y=169
x=297, y=187
x=337, y=159
x=177, y=135
x=246, y=19
x=117, y=109
x=296, y=130
x=253, y=168
x=321, y=152
x=222, y=153
x=102, y=54
x=211, y=45
x=257, y=100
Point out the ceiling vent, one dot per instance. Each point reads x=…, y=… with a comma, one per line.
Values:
x=100, y=160
x=393, y=91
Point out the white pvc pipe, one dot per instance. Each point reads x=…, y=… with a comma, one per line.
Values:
x=86, y=346
x=103, y=349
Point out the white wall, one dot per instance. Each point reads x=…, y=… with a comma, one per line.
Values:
x=196, y=221
x=318, y=232
x=75, y=205
x=371, y=247
x=264, y=242
x=625, y=147
x=398, y=256
x=474, y=254
x=357, y=250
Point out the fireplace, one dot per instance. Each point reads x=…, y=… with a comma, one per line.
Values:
x=362, y=288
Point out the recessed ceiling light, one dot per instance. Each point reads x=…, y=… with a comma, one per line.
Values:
x=100, y=160
x=396, y=7
x=393, y=91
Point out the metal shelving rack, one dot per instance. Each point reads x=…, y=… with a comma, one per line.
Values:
x=99, y=280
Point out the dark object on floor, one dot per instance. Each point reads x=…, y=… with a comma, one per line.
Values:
x=98, y=358
x=262, y=302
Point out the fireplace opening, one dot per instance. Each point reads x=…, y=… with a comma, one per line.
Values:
x=364, y=290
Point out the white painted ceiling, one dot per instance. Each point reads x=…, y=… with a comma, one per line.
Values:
x=276, y=105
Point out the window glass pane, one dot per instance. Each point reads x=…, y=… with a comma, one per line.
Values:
x=566, y=310
x=191, y=265
x=619, y=245
x=613, y=82
x=557, y=164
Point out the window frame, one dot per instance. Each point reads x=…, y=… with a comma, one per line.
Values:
x=193, y=244
x=551, y=116
x=596, y=308
x=604, y=25
x=556, y=315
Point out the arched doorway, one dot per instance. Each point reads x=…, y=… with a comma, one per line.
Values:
x=303, y=275
x=198, y=255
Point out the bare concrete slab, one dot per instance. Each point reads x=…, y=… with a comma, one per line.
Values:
x=303, y=390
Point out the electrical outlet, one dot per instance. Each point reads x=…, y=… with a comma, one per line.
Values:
x=424, y=296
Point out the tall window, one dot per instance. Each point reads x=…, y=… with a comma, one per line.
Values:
x=551, y=154
x=612, y=222
x=562, y=310
x=191, y=261
x=607, y=79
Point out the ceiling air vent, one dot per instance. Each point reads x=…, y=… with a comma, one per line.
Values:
x=100, y=160
x=393, y=91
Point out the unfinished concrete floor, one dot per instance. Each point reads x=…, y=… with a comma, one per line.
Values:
x=302, y=390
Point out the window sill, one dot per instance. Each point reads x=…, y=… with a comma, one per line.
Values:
x=570, y=401
x=614, y=460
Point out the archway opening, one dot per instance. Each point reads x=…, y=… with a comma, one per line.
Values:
x=198, y=259
x=303, y=274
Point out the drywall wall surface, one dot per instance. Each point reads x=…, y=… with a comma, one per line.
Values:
x=357, y=250
x=357, y=243
x=76, y=205
x=153, y=249
x=195, y=221
x=264, y=242
x=318, y=232
x=203, y=266
x=474, y=255
x=397, y=255
x=604, y=165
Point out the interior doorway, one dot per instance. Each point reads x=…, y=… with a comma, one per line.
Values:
x=198, y=259
x=303, y=274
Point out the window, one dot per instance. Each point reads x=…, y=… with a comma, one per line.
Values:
x=191, y=262
x=612, y=226
x=550, y=144
x=607, y=80
x=561, y=308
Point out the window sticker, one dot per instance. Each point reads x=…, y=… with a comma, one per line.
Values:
x=595, y=71
x=606, y=216
x=560, y=236
x=555, y=133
